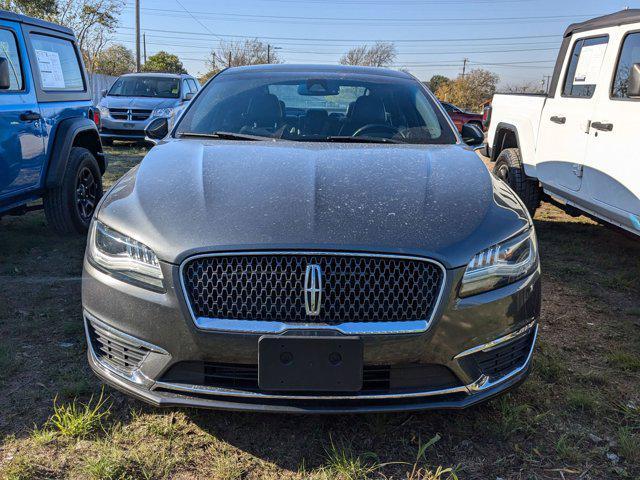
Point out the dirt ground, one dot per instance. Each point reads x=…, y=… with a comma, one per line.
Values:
x=577, y=417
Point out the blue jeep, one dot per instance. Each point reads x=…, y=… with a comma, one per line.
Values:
x=49, y=144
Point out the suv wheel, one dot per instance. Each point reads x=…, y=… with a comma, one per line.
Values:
x=70, y=206
x=508, y=168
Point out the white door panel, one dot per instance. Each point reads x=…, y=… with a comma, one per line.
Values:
x=564, y=126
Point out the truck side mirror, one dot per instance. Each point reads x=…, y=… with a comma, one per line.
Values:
x=157, y=129
x=633, y=87
x=5, y=81
x=188, y=96
x=104, y=92
x=472, y=135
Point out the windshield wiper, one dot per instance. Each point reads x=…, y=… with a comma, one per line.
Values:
x=224, y=136
x=349, y=139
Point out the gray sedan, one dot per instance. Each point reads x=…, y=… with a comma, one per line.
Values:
x=312, y=239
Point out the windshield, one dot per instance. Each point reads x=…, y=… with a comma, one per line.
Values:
x=160, y=87
x=315, y=107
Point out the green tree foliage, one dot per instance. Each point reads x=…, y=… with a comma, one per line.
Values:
x=163, y=62
x=437, y=81
x=115, y=60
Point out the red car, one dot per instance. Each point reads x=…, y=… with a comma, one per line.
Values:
x=460, y=117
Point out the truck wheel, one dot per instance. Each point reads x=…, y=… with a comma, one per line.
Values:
x=509, y=168
x=70, y=206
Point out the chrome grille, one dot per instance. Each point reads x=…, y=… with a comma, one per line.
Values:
x=117, y=351
x=134, y=114
x=270, y=287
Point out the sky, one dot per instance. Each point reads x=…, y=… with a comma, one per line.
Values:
x=517, y=39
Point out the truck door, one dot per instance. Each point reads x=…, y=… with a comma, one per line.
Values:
x=22, y=157
x=564, y=125
x=612, y=164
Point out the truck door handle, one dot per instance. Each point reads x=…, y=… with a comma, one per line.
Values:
x=560, y=120
x=605, y=127
x=30, y=116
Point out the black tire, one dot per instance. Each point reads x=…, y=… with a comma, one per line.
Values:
x=509, y=168
x=70, y=206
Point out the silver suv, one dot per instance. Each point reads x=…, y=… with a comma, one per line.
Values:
x=134, y=100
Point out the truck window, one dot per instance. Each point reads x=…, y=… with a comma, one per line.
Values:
x=58, y=64
x=9, y=50
x=192, y=84
x=584, y=67
x=629, y=55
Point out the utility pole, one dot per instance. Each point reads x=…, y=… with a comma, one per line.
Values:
x=144, y=47
x=229, y=62
x=268, y=53
x=464, y=66
x=138, y=36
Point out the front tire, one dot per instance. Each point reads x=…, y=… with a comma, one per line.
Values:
x=70, y=206
x=509, y=169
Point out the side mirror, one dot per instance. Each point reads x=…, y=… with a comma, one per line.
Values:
x=633, y=88
x=157, y=129
x=104, y=92
x=472, y=135
x=188, y=96
x=5, y=81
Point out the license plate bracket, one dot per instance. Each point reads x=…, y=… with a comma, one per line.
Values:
x=310, y=364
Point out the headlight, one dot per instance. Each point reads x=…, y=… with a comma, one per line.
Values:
x=104, y=111
x=501, y=264
x=124, y=257
x=162, y=112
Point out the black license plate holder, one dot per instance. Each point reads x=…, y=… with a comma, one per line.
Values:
x=310, y=364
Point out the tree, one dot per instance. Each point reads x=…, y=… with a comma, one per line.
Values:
x=237, y=54
x=115, y=60
x=382, y=54
x=163, y=62
x=437, y=81
x=92, y=21
x=528, y=87
x=469, y=91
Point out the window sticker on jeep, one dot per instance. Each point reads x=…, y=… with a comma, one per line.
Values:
x=589, y=63
x=50, y=69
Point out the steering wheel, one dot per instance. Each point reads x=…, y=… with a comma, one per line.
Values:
x=372, y=128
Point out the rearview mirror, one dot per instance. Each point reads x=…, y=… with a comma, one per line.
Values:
x=188, y=96
x=472, y=135
x=5, y=81
x=157, y=129
x=633, y=88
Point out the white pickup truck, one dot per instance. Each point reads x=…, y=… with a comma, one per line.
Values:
x=579, y=145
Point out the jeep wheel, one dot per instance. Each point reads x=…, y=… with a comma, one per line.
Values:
x=509, y=168
x=70, y=206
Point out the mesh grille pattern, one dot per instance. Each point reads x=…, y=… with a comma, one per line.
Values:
x=117, y=351
x=271, y=288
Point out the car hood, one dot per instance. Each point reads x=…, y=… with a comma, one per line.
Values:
x=146, y=103
x=192, y=196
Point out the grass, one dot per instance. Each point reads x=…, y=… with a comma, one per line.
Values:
x=585, y=381
x=77, y=419
x=627, y=362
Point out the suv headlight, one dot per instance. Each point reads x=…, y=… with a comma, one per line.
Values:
x=501, y=264
x=104, y=111
x=163, y=112
x=124, y=257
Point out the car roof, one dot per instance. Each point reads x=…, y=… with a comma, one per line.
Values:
x=301, y=68
x=16, y=17
x=622, y=17
x=158, y=74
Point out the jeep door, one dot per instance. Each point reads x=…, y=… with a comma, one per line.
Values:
x=22, y=157
x=612, y=164
x=564, y=125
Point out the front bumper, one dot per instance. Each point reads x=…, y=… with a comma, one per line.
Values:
x=160, y=325
x=123, y=129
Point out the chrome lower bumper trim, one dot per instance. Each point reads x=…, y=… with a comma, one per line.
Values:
x=485, y=347
x=483, y=383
